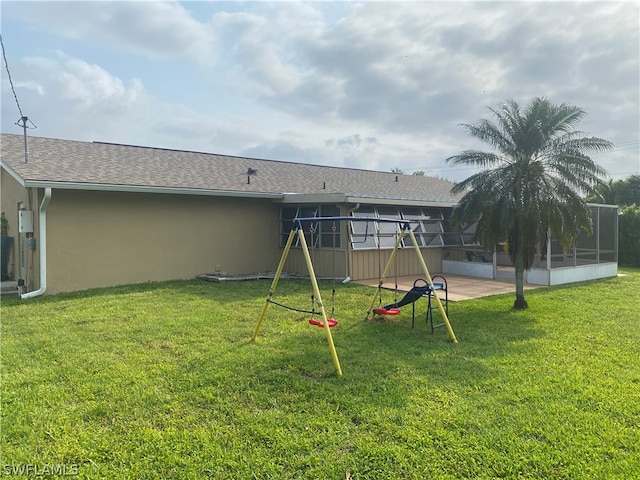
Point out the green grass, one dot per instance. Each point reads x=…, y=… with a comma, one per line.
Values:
x=161, y=381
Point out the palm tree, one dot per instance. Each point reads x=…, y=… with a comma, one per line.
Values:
x=532, y=184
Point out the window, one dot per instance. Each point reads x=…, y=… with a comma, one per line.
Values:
x=318, y=234
x=363, y=233
x=430, y=226
x=414, y=216
x=388, y=231
x=375, y=233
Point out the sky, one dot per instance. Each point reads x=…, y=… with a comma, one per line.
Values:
x=372, y=85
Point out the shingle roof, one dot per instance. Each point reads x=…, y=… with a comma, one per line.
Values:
x=103, y=164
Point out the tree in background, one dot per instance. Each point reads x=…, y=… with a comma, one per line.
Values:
x=631, y=194
x=620, y=192
x=533, y=183
x=626, y=194
x=629, y=236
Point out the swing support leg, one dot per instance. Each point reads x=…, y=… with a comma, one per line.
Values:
x=318, y=297
x=384, y=275
x=274, y=284
x=423, y=264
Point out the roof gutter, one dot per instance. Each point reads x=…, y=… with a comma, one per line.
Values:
x=366, y=199
x=43, y=246
x=106, y=187
x=406, y=201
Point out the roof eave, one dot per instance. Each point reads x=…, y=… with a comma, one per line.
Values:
x=370, y=199
x=313, y=198
x=148, y=189
x=406, y=201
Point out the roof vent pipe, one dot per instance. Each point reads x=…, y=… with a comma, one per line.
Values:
x=396, y=178
x=24, y=127
x=324, y=185
x=250, y=172
x=26, y=147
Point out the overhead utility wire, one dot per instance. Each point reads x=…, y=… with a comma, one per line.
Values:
x=24, y=119
x=627, y=142
x=4, y=55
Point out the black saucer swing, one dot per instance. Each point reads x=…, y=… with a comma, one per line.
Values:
x=421, y=288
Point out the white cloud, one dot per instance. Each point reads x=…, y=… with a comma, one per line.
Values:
x=35, y=86
x=148, y=28
x=94, y=88
x=83, y=101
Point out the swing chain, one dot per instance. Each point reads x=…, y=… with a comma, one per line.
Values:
x=333, y=270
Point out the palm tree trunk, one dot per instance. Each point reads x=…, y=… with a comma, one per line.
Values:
x=520, y=302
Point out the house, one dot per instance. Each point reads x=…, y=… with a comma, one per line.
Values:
x=119, y=214
x=92, y=214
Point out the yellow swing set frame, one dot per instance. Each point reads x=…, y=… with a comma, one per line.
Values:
x=298, y=232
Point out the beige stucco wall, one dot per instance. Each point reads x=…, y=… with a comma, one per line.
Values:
x=98, y=239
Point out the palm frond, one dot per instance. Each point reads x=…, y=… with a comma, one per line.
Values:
x=490, y=134
x=558, y=118
x=475, y=158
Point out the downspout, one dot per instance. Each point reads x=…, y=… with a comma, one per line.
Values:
x=348, y=277
x=42, y=222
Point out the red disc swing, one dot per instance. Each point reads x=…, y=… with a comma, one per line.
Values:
x=331, y=322
x=387, y=309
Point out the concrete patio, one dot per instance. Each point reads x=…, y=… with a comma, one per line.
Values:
x=460, y=287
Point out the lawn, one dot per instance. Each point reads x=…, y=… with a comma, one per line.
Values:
x=161, y=381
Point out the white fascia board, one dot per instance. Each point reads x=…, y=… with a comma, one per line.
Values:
x=13, y=174
x=410, y=202
x=149, y=189
x=298, y=198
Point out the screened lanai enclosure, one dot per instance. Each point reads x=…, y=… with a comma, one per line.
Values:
x=593, y=256
x=359, y=250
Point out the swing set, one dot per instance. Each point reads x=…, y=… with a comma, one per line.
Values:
x=327, y=322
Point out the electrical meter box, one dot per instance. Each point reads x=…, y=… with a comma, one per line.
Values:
x=25, y=221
